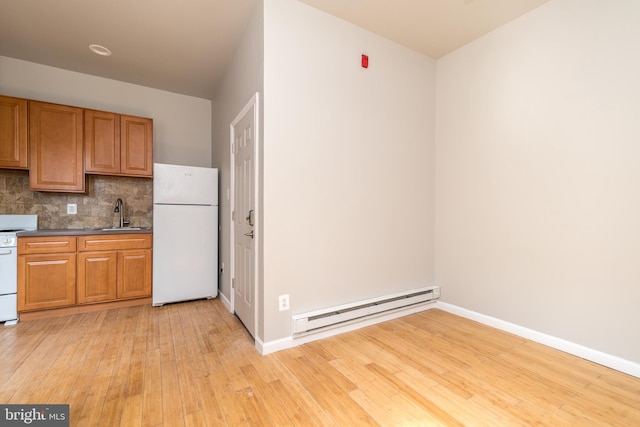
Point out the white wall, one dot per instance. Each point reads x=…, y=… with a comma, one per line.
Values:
x=537, y=176
x=181, y=127
x=242, y=79
x=348, y=164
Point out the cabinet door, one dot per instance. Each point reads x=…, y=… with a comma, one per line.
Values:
x=55, y=147
x=13, y=133
x=137, y=146
x=96, y=276
x=134, y=273
x=46, y=281
x=101, y=142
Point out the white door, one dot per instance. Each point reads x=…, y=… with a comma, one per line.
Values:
x=244, y=213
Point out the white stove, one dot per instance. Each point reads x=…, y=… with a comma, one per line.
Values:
x=9, y=226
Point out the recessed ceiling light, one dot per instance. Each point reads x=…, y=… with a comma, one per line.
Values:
x=100, y=50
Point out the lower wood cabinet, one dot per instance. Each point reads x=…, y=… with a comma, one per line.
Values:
x=113, y=267
x=134, y=274
x=97, y=276
x=46, y=272
x=62, y=271
x=46, y=281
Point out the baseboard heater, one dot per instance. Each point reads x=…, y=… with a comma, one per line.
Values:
x=315, y=321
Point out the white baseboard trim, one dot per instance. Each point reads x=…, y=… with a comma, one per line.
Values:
x=290, y=342
x=225, y=300
x=608, y=360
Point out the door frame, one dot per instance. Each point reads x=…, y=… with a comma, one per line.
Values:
x=254, y=103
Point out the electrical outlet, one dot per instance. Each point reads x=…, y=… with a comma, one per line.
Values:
x=283, y=302
x=72, y=209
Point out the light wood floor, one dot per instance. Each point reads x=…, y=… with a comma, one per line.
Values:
x=193, y=364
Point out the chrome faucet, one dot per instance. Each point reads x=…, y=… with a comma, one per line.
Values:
x=120, y=208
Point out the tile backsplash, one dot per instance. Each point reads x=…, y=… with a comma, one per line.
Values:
x=95, y=207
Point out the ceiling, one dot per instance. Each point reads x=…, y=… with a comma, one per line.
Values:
x=432, y=27
x=183, y=46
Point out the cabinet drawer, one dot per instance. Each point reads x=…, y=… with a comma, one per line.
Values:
x=46, y=245
x=110, y=242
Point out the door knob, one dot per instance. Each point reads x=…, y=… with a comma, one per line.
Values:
x=250, y=218
x=249, y=234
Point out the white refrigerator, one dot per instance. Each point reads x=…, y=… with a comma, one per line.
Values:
x=185, y=233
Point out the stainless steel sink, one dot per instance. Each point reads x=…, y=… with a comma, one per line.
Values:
x=122, y=228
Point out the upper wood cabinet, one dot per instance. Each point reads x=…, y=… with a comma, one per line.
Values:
x=58, y=144
x=117, y=144
x=56, y=148
x=136, y=154
x=102, y=142
x=13, y=133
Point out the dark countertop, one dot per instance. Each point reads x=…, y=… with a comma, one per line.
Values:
x=84, y=232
